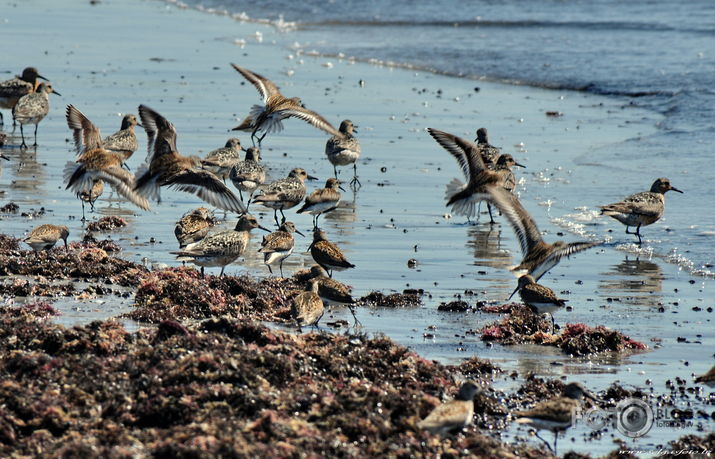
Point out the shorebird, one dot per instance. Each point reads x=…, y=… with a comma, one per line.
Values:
x=539, y=298
x=222, y=160
x=641, y=209
x=167, y=167
x=333, y=292
x=708, y=378
x=32, y=108
x=278, y=245
x=507, y=180
x=12, y=90
x=307, y=306
x=123, y=141
x=327, y=254
x=91, y=195
x=220, y=249
x=489, y=152
x=193, y=226
x=96, y=163
x=344, y=149
x=481, y=181
x=276, y=107
x=249, y=174
x=322, y=200
x=284, y=193
x=556, y=414
x=539, y=256
x=454, y=414
x=44, y=237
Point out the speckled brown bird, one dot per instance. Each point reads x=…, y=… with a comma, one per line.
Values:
x=344, y=149
x=327, y=254
x=13, y=89
x=167, y=167
x=454, y=414
x=276, y=107
x=278, y=245
x=32, y=108
x=284, y=193
x=194, y=226
x=91, y=195
x=488, y=152
x=307, y=306
x=124, y=141
x=556, y=414
x=641, y=209
x=539, y=298
x=249, y=174
x=322, y=200
x=222, y=160
x=44, y=237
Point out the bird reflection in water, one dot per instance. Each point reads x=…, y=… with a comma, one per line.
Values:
x=635, y=282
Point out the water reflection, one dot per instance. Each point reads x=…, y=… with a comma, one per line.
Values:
x=634, y=281
x=485, y=242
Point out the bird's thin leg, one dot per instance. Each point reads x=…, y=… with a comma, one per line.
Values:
x=275, y=216
x=2, y=120
x=202, y=271
x=283, y=217
x=638, y=233
x=22, y=133
x=83, y=218
x=355, y=182
x=335, y=170
x=281, y=267
x=269, y=269
x=546, y=442
x=556, y=439
x=35, y=144
x=352, y=311
x=489, y=208
x=221, y=274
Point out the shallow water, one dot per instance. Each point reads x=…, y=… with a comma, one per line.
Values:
x=398, y=214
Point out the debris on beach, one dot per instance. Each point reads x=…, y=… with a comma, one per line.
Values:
x=108, y=223
x=393, y=300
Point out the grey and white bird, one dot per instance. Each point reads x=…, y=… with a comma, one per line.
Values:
x=278, y=245
x=327, y=254
x=193, y=226
x=454, y=414
x=13, y=89
x=488, y=152
x=322, y=200
x=284, y=193
x=32, y=108
x=222, y=160
x=308, y=308
x=124, y=141
x=343, y=150
x=249, y=174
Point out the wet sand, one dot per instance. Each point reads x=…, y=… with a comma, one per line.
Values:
x=178, y=65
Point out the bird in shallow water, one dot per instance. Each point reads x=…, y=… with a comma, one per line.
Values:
x=539, y=298
x=32, y=108
x=276, y=107
x=123, y=141
x=488, y=152
x=557, y=414
x=193, y=226
x=44, y=237
x=322, y=200
x=333, y=292
x=221, y=160
x=344, y=149
x=278, y=245
x=91, y=195
x=641, y=209
x=249, y=174
x=454, y=414
x=167, y=167
x=326, y=254
x=284, y=193
x=13, y=89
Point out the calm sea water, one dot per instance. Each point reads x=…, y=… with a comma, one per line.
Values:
x=655, y=55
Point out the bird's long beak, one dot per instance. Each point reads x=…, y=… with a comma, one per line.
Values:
x=140, y=125
x=675, y=189
x=512, y=293
x=42, y=78
x=264, y=228
x=519, y=165
x=4, y=157
x=310, y=177
x=300, y=233
x=236, y=128
x=591, y=395
x=55, y=92
x=341, y=188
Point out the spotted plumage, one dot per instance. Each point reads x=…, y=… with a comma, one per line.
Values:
x=344, y=149
x=222, y=248
x=123, y=141
x=249, y=174
x=308, y=308
x=91, y=195
x=278, y=245
x=12, y=90
x=44, y=237
x=268, y=117
x=330, y=290
x=222, y=160
x=488, y=152
x=193, y=226
x=322, y=200
x=454, y=414
x=167, y=167
x=32, y=108
x=284, y=193
x=641, y=209
x=539, y=298
x=327, y=254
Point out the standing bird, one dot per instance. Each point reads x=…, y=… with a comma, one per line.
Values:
x=333, y=292
x=123, y=141
x=222, y=160
x=44, y=237
x=507, y=180
x=223, y=248
x=32, y=108
x=322, y=200
x=539, y=298
x=344, y=149
x=193, y=226
x=327, y=254
x=284, y=193
x=641, y=209
x=539, y=256
x=307, y=306
x=249, y=174
x=96, y=163
x=278, y=245
x=556, y=414
x=91, y=195
x=12, y=90
x=489, y=152
x=452, y=415
x=268, y=117
x=167, y=167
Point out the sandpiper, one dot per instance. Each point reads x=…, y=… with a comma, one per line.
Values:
x=307, y=306
x=454, y=414
x=12, y=90
x=193, y=226
x=344, y=149
x=220, y=249
x=489, y=152
x=91, y=195
x=507, y=180
x=322, y=200
x=556, y=414
x=284, y=193
x=123, y=141
x=539, y=298
x=249, y=174
x=278, y=245
x=481, y=181
x=539, y=256
x=96, y=163
x=641, y=209
x=276, y=107
x=32, y=108
x=333, y=292
x=327, y=254
x=222, y=160
x=167, y=167
x=44, y=237
x=708, y=378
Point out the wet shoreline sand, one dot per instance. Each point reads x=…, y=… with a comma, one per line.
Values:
x=178, y=64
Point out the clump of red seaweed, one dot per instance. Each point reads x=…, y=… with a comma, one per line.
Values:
x=108, y=223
